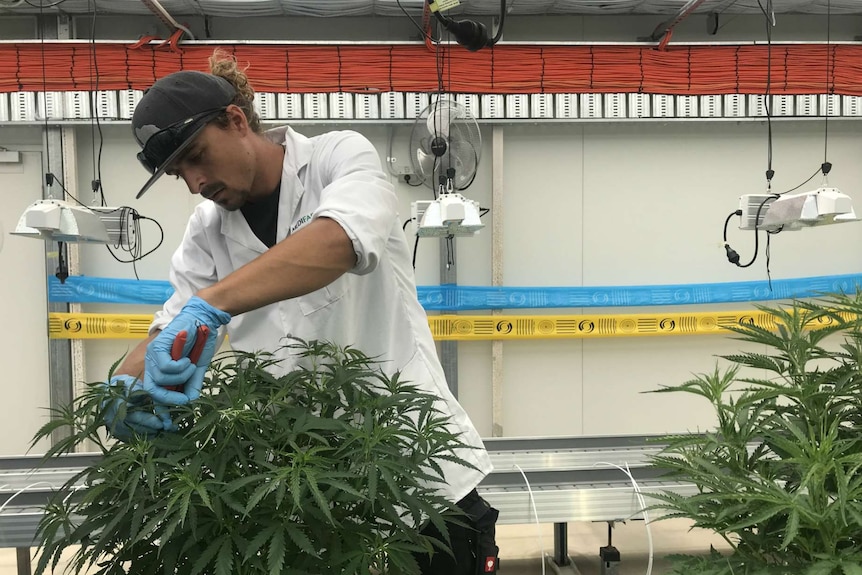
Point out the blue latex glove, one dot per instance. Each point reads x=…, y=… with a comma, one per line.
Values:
x=124, y=416
x=161, y=370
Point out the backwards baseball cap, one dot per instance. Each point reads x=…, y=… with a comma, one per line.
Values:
x=172, y=112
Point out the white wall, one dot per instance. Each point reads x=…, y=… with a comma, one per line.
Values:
x=24, y=337
x=585, y=204
x=590, y=204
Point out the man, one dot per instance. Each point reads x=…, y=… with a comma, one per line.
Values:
x=300, y=236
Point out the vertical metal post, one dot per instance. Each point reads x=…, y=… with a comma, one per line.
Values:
x=59, y=350
x=449, y=349
x=23, y=556
x=497, y=277
x=561, y=544
x=76, y=346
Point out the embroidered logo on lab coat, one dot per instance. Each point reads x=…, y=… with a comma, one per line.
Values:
x=300, y=222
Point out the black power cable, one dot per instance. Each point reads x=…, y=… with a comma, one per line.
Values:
x=469, y=33
x=732, y=255
x=825, y=167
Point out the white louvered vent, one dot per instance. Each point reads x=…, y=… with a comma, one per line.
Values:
x=49, y=106
x=77, y=105
x=392, y=105
x=290, y=106
x=517, y=106
x=733, y=106
x=805, y=105
x=366, y=106
x=662, y=106
x=266, y=105
x=493, y=106
x=105, y=104
x=639, y=106
x=851, y=106
x=541, y=106
x=830, y=105
x=757, y=105
x=315, y=106
x=23, y=106
x=565, y=106
x=590, y=105
x=614, y=105
x=414, y=103
x=340, y=106
x=128, y=99
x=686, y=106
x=471, y=102
x=782, y=105
x=710, y=106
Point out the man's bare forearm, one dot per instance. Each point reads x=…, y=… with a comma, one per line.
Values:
x=133, y=363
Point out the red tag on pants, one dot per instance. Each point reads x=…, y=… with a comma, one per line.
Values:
x=490, y=565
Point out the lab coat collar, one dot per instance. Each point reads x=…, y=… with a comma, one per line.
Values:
x=297, y=154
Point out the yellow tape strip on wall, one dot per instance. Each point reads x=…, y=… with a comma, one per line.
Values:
x=465, y=327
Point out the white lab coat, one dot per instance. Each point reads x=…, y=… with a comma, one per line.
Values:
x=373, y=308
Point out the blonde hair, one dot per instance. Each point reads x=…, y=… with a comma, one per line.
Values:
x=224, y=65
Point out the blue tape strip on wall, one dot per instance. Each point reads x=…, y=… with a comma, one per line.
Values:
x=82, y=289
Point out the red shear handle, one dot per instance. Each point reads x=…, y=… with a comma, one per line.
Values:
x=201, y=336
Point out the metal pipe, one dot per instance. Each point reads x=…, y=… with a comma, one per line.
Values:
x=666, y=28
x=163, y=15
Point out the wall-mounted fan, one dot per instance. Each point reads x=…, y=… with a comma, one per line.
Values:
x=445, y=149
x=446, y=140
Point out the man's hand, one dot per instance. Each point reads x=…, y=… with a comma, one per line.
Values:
x=125, y=414
x=161, y=370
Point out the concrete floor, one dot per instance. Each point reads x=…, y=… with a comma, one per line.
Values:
x=520, y=550
x=521, y=547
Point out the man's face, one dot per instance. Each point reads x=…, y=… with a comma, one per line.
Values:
x=219, y=165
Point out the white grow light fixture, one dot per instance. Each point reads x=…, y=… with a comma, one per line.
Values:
x=450, y=215
x=789, y=212
x=61, y=222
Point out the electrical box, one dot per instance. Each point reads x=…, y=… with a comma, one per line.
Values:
x=10, y=157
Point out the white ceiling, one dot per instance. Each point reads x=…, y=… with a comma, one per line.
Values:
x=240, y=8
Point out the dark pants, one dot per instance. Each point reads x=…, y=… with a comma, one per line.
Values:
x=474, y=548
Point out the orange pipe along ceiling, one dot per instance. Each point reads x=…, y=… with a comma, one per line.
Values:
x=58, y=66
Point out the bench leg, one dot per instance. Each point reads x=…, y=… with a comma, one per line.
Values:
x=610, y=555
x=561, y=544
x=560, y=563
x=23, y=554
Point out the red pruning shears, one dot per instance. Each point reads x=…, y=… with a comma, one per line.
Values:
x=201, y=336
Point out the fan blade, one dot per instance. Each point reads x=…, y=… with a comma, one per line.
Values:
x=441, y=116
x=425, y=165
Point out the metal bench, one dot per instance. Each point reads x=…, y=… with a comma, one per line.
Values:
x=569, y=478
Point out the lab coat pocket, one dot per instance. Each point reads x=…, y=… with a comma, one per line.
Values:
x=324, y=297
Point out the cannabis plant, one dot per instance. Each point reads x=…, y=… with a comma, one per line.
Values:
x=327, y=469
x=779, y=477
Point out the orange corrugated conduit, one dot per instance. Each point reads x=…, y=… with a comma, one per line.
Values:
x=683, y=70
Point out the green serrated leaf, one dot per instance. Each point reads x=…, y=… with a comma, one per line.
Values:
x=205, y=558
x=224, y=562
x=275, y=555
x=300, y=539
